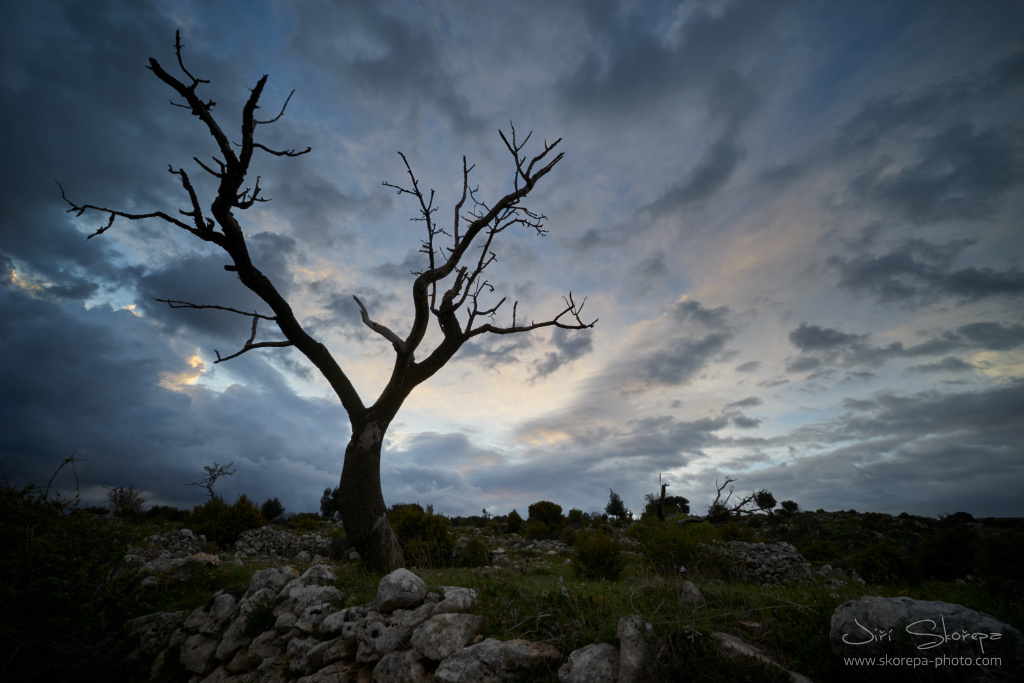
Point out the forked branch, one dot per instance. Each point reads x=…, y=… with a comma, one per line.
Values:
x=251, y=343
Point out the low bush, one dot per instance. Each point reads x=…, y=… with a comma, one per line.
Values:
x=668, y=546
x=425, y=538
x=883, y=562
x=473, y=554
x=598, y=554
x=305, y=522
x=61, y=595
x=222, y=523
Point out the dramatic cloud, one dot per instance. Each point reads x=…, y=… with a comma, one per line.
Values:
x=800, y=233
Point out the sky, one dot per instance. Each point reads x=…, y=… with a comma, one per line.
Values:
x=798, y=225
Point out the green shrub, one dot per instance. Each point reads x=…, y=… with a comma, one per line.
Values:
x=537, y=530
x=222, y=523
x=424, y=536
x=948, y=554
x=734, y=531
x=514, y=523
x=822, y=551
x=669, y=546
x=62, y=596
x=998, y=562
x=271, y=509
x=575, y=518
x=883, y=562
x=304, y=521
x=597, y=554
x=548, y=514
x=473, y=554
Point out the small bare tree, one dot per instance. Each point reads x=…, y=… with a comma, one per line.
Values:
x=213, y=473
x=451, y=289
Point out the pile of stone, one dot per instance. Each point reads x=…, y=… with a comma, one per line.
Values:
x=404, y=634
x=274, y=545
x=171, y=557
x=766, y=563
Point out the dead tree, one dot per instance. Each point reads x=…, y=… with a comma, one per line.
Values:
x=451, y=289
x=721, y=510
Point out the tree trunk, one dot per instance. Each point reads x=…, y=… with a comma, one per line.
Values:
x=361, y=502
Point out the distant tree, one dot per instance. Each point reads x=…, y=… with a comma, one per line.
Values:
x=271, y=509
x=213, y=473
x=515, y=522
x=765, y=500
x=615, y=507
x=789, y=507
x=125, y=502
x=575, y=518
x=547, y=513
x=671, y=505
x=451, y=289
x=329, y=503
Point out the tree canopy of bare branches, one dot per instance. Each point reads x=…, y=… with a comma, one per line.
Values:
x=451, y=290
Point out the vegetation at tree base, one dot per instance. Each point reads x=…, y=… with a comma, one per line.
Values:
x=424, y=536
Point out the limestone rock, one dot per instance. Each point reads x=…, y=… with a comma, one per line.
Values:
x=456, y=599
x=444, y=634
x=595, y=663
x=689, y=594
x=399, y=667
x=492, y=661
x=197, y=654
x=154, y=630
x=874, y=626
x=274, y=579
x=633, y=633
x=400, y=588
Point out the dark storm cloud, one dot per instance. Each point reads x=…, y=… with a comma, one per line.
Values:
x=749, y=366
x=959, y=174
x=569, y=346
x=892, y=114
x=965, y=447
x=385, y=64
x=710, y=174
x=818, y=344
x=749, y=402
x=947, y=364
x=714, y=318
x=816, y=338
x=918, y=272
x=90, y=382
x=680, y=359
